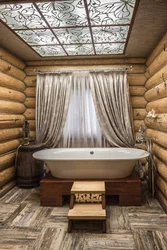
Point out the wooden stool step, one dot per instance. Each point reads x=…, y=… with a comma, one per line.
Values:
x=80, y=187
x=87, y=212
x=88, y=187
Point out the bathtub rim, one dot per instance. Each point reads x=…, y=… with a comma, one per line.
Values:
x=35, y=155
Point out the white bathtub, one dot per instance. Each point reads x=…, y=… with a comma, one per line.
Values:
x=91, y=163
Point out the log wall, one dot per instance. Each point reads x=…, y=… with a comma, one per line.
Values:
x=156, y=96
x=12, y=107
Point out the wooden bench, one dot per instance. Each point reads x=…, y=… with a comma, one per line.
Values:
x=88, y=210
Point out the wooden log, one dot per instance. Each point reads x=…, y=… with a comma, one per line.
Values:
x=29, y=114
x=157, y=50
x=156, y=93
x=137, y=124
x=11, y=83
x=11, y=107
x=162, y=185
x=11, y=70
x=32, y=134
x=6, y=147
x=141, y=146
x=159, y=124
x=7, y=175
x=162, y=199
x=159, y=62
x=7, y=187
x=136, y=79
x=161, y=167
x=86, y=61
x=158, y=137
x=137, y=69
x=139, y=114
x=138, y=102
x=7, y=161
x=10, y=134
x=6, y=56
x=30, y=81
x=11, y=95
x=32, y=125
x=160, y=106
x=30, y=102
x=11, y=121
x=160, y=152
x=157, y=78
x=30, y=91
x=137, y=90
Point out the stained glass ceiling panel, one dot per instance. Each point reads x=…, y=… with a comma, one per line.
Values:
x=71, y=27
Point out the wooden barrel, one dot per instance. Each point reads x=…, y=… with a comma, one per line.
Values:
x=29, y=171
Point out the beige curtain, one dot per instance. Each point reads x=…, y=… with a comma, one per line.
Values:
x=110, y=91
x=52, y=101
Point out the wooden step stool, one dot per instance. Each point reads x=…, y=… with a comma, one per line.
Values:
x=89, y=210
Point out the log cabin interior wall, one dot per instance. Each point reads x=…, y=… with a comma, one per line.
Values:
x=11, y=115
x=156, y=96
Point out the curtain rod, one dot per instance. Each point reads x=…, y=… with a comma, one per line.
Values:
x=90, y=71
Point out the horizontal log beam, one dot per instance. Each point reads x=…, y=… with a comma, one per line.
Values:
x=7, y=187
x=30, y=91
x=139, y=114
x=29, y=114
x=158, y=92
x=137, y=90
x=99, y=61
x=162, y=185
x=11, y=121
x=138, y=102
x=10, y=134
x=11, y=82
x=159, y=124
x=137, y=124
x=6, y=56
x=160, y=106
x=30, y=102
x=162, y=199
x=6, y=147
x=160, y=152
x=157, y=78
x=11, y=107
x=11, y=70
x=161, y=167
x=7, y=161
x=158, y=137
x=32, y=125
x=137, y=69
x=33, y=134
x=7, y=175
x=30, y=81
x=157, y=50
x=159, y=62
x=137, y=79
x=11, y=95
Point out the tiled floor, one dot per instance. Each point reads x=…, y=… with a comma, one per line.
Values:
x=24, y=225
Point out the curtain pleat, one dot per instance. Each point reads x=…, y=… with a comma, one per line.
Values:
x=52, y=101
x=110, y=91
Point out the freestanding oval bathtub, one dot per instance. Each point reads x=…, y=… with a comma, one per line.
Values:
x=91, y=163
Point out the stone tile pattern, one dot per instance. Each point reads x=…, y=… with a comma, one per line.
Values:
x=24, y=224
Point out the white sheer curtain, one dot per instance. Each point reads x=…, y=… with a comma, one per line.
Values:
x=82, y=128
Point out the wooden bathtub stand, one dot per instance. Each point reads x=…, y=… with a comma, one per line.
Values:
x=128, y=189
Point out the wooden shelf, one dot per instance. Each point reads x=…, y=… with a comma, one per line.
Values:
x=87, y=212
x=85, y=187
